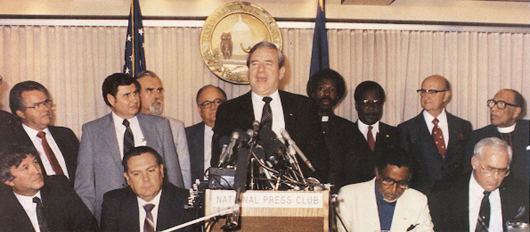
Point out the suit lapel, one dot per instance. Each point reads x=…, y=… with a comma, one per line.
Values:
x=108, y=133
x=166, y=213
x=129, y=212
x=148, y=130
x=17, y=218
x=198, y=143
x=426, y=137
x=288, y=111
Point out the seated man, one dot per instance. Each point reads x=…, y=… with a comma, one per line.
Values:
x=29, y=202
x=385, y=202
x=149, y=203
x=483, y=200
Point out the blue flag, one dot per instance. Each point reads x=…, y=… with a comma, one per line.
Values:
x=134, y=44
x=320, y=55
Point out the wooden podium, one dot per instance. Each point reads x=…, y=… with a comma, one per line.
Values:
x=273, y=210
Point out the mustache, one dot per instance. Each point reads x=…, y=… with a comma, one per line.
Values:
x=325, y=98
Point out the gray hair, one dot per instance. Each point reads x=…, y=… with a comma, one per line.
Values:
x=494, y=143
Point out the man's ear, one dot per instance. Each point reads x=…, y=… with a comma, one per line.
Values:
x=111, y=99
x=447, y=96
x=282, y=72
x=126, y=177
x=474, y=162
x=162, y=169
x=9, y=183
x=517, y=112
x=20, y=114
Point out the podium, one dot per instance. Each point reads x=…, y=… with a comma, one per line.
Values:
x=273, y=210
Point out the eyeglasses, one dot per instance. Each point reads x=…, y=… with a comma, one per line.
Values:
x=403, y=184
x=430, y=91
x=500, y=104
x=208, y=104
x=40, y=105
x=367, y=103
x=489, y=171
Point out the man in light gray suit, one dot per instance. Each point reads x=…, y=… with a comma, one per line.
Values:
x=152, y=102
x=105, y=140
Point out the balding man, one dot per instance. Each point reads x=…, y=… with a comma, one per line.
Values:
x=507, y=108
x=435, y=137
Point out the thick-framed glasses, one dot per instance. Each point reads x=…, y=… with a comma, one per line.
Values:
x=431, y=92
x=208, y=104
x=489, y=171
x=367, y=103
x=403, y=184
x=500, y=104
x=41, y=105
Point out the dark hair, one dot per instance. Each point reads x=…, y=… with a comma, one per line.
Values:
x=204, y=88
x=520, y=102
x=138, y=151
x=394, y=156
x=323, y=74
x=15, y=95
x=12, y=156
x=145, y=73
x=367, y=86
x=267, y=44
x=112, y=82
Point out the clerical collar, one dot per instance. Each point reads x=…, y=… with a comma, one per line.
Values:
x=507, y=129
x=325, y=118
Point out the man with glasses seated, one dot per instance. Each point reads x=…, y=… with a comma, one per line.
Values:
x=31, y=103
x=484, y=200
x=507, y=108
x=385, y=202
x=435, y=138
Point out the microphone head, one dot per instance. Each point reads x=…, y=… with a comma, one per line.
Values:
x=243, y=136
x=235, y=134
x=255, y=125
x=285, y=134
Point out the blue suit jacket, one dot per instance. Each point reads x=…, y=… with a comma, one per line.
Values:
x=195, y=136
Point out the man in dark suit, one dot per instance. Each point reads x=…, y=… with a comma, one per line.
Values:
x=7, y=124
x=484, y=199
x=30, y=201
x=369, y=136
x=57, y=146
x=200, y=135
x=435, y=137
x=507, y=108
x=294, y=113
x=132, y=208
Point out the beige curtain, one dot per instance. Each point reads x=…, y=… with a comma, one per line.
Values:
x=73, y=61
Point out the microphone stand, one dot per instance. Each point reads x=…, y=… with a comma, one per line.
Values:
x=230, y=210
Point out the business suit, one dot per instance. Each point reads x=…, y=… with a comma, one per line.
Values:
x=336, y=132
x=449, y=203
x=181, y=144
x=195, y=136
x=519, y=165
x=301, y=121
x=358, y=209
x=99, y=168
x=358, y=163
x=430, y=166
x=7, y=124
x=63, y=209
x=120, y=209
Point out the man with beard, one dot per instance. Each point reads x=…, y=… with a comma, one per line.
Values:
x=327, y=88
x=30, y=102
x=435, y=137
x=152, y=102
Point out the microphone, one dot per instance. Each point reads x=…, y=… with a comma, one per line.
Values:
x=255, y=128
x=225, y=156
x=286, y=135
x=240, y=180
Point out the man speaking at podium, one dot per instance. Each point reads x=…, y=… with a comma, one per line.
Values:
x=274, y=108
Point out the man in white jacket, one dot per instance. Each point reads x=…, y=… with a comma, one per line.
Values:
x=385, y=202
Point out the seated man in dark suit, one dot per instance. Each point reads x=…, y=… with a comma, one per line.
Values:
x=149, y=203
x=200, y=135
x=327, y=88
x=275, y=109
x=30, y=201
x=507, y=109
x=484, y=200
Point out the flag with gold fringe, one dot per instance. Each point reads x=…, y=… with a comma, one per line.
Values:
x=134, y=44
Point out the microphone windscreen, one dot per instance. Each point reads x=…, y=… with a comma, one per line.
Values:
x=243, y=136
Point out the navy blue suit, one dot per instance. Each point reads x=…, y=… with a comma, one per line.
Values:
x=195, y=136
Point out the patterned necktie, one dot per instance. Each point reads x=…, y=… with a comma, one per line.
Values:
x=43, y=226
x=483, y=221
x=49, y=154
x=438, y=137
x=149, y=225
x=370, y=138
x=128, y=138
x=266, y=115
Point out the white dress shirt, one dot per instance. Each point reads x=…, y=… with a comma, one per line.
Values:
x=208, y=134
x=154, y=211
x=278, y=122
x=139, y=139
x=37, y=142
x=442, y=123
x=476, y=193
x=364, y=129
x=30, y=207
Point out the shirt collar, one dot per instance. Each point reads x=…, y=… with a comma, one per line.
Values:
x=119, y=120
x=364, y=128
x=257, y=98
x=32, y=133
x=507, y=129
x=475, y=189
x=208, y=130
x=27, y=200
x=442, y=118
x=155, y=201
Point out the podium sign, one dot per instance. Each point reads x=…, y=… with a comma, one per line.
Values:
x=273, y=210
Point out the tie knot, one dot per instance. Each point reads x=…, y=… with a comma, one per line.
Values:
x=149, y=207
x=267, y=100
x=370, y=127
x=486, y=194
x=41, y=134
x=126, y=122
x=37, y=200
x=435, y=121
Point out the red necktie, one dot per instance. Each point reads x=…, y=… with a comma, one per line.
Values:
x=438, y=137
x=370, y=138
x=49, y=153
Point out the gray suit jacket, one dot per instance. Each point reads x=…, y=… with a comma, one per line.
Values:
x=181, y=143
x=99, y=160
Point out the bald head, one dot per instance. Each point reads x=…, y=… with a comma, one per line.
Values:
x=436, y=94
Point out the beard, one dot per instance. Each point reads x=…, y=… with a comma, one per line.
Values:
x=156, y=107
